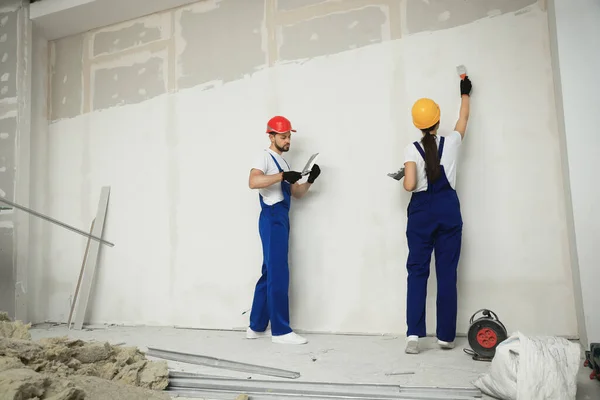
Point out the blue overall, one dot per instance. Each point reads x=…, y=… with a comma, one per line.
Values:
x=271, y=292
x=434, y=224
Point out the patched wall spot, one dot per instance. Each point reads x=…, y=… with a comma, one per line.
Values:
x=445, y=16
x=224, y=44
x=106, y=42
x=8, y=126
x=8, y=49
x=66, y=92
x=335, y=32
x=431, y=15
x=294, y=4
x=110, y=92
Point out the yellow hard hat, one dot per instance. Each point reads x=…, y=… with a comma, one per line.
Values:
x=425, y=113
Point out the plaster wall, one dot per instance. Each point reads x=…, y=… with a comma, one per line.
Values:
x=169, y=110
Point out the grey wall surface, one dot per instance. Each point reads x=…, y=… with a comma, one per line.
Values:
x=15, y=35
x=216, y=42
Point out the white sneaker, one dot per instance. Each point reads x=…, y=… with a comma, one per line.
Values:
x=412, y=345
x=250, y=334
x=446, y=345
x=290, y=338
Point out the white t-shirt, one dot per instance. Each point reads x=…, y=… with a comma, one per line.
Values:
x=449, y=160
x=271, y=194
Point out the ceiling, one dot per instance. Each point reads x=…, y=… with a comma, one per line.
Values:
x=60, y=18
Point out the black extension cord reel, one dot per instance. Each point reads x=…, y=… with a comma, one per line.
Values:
x=485, y=334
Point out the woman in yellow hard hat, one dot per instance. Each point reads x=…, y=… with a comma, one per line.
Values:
x=434, y=219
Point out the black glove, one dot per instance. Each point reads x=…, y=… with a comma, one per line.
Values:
x=314, y=173
x=292, y=176
x=465, y=86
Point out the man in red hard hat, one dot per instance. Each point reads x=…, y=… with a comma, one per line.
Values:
x=276, y=183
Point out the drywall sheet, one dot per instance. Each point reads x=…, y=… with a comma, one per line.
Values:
x=15, y=99
x=66, y=77
x=178, y=163
x=431, y=15
x=8, y=133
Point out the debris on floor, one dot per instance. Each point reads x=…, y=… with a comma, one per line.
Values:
x=69, y=369
x=15, y=330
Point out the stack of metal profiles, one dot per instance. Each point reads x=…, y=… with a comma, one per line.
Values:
x=190, y=385
x=198, y=386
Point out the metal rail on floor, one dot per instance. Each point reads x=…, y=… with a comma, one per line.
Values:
x=54, y=221
x=220, y=363
x=192, y=385
x=230, y=394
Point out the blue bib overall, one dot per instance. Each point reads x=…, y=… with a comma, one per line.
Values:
x=434, y=224
x=271, y=292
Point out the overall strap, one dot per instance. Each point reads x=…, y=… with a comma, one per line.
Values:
x=277, y=164
x=420, y=149
x=441, y=149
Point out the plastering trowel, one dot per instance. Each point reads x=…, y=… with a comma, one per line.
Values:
x=397, y=175
x=309, y=164
x=462, y=71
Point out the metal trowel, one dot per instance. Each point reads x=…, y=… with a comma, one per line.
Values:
x=309, y=164
x=397, y=175
x=461, y=70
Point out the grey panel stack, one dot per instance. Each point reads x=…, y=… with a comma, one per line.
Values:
x=198, y=386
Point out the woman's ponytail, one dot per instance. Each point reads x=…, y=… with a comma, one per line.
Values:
x=432, y=161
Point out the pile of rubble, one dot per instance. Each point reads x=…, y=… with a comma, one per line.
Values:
x=70, y=369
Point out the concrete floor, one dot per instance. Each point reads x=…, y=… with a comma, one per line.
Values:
x=336, y=358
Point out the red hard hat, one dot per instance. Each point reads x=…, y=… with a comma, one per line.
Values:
x=279, y=124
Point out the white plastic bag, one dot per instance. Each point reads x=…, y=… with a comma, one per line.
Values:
x=532, y=368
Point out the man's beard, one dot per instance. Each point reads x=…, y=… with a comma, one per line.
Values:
x=282, y=149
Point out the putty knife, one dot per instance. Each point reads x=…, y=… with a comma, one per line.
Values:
x=462, y=71
x=308, y=165
x=397, y=175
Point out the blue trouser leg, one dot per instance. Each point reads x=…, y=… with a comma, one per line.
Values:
x=419, y=234
x=259, y=315
x=447, y=254
x=278, y=276
x=271, y=294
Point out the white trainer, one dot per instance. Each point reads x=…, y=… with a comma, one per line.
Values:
x=446, y=345
x=289, y=338
x=412, y=345
x=250, y=334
